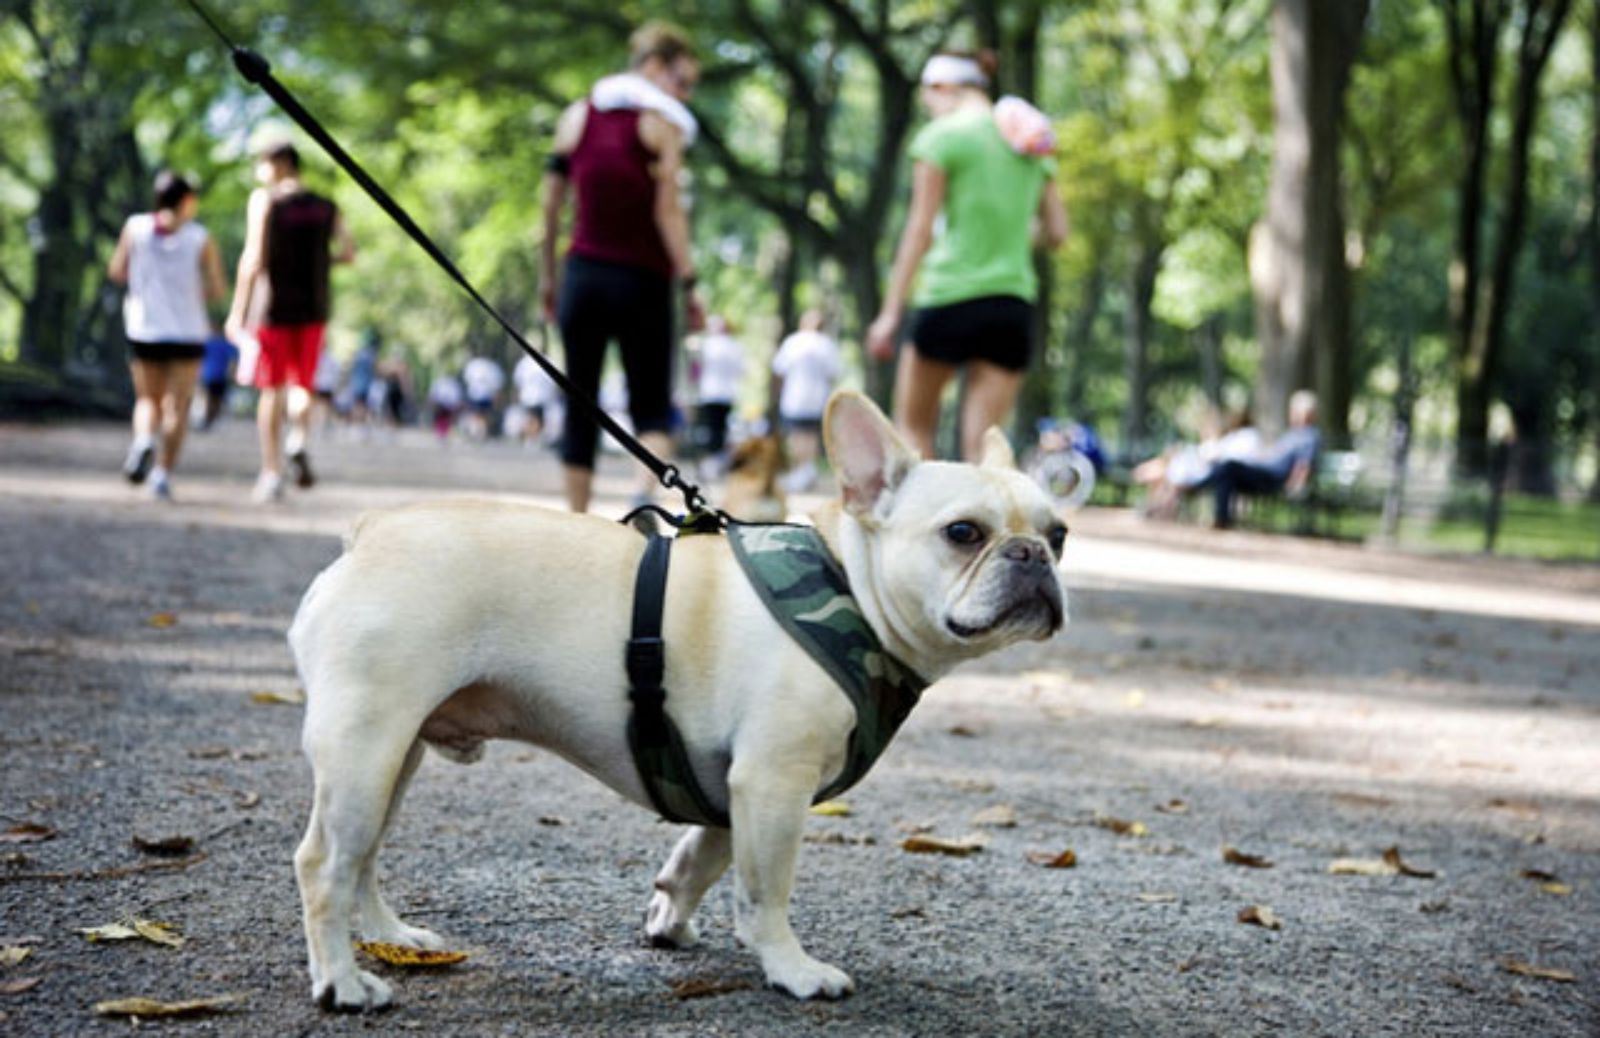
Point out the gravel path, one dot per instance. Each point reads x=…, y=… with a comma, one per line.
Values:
x=1298, y=702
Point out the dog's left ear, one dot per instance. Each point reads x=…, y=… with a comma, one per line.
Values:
x=997, y=451
x=867, y=455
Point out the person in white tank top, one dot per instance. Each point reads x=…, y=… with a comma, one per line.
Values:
x=172, y=269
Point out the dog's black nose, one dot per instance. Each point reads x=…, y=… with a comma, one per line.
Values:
x=1026, y=551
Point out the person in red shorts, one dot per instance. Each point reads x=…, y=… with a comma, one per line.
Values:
x=292, y=238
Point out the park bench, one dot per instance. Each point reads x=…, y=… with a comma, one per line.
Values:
x=1314, y=509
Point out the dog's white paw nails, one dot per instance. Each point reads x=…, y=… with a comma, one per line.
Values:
x=665, y=929
x=354, y=992
x=806, y=978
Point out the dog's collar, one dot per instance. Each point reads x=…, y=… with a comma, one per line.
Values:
x=807, y=592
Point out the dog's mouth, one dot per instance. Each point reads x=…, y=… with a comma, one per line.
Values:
x=1041, y=611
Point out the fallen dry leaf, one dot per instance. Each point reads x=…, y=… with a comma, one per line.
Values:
x=246, y=799
x=960, y=848
x=1260, y=915
x=963, y=731
x=162, y=619
x=1392, y=857
x=20, y=985
x=1174, y=807
x=135, y=929
x=1361, y=867
x=1556, y=889
x=1249, y=861
x=831, y=809
x=1065, y=860
x=842, y=839
x=1121, y=827
x=1539, y=876
x=149, y=1007
x=294, y=698
x=705, y=987
x=999, y=816
x=12, y=954
x=165, y=846
x=1541, y=972
x=27, y=832
x=1159, y=897
x=410, y=958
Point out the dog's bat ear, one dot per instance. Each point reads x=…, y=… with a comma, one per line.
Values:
x=868, y=456
x=997, y=451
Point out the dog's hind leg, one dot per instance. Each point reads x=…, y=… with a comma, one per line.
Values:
x=699, y=859
x=375, y=920
x=357, y=766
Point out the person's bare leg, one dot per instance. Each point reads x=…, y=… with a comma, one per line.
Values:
x=299, y=409
x=918, y=385
x=269, y=427
x=579, y=484
x=149, y=383
x=181, y=378
x=991, y=392
x=660, y=444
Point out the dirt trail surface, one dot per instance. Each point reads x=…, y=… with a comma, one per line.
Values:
x=1298, y=702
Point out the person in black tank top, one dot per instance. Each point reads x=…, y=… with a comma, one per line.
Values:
x=281, y=295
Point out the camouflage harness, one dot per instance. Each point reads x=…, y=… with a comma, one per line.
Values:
x=807, y=592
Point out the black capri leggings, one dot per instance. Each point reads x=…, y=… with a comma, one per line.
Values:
x=600, y=302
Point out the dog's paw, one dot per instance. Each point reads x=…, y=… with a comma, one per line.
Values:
x=665, y=927
x=805, y=978
x=354, y=992
x=407, y=936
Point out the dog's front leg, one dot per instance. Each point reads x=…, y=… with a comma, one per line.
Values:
x=697, y=862
x=769, y=814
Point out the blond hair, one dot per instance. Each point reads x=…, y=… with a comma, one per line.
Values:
x=660, y=40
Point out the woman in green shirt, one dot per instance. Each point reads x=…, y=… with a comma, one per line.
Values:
x=980, y=187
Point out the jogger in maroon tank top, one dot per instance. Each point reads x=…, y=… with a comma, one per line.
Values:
x=619, y=153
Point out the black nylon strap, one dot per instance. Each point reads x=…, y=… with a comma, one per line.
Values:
x=254, y=68
x=658, y=749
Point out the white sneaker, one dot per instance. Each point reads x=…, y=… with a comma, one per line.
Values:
x=269, y=488
x=160, y=484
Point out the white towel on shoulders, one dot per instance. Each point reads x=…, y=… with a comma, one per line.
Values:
x=631, y=90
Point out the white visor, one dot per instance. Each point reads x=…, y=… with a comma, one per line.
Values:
x=950, y=70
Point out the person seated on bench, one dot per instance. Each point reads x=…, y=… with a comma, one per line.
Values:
x=1284, y=467
x=1171, y=475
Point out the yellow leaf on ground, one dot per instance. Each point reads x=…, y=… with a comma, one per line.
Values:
x=294, y=698
x=1134, y=699
x=1260, y=915
x=1249, y=861
x=1122, y=827
x=12, y=954
x=1362, y=867
x=162, y=619
x=134, y=930
x=831, y=809
x=938, y=845
x=1000, y=816
x=142, y=1007
x=1557, y=889
x=1065, y=860
x=410, y=958
x=1541, y=972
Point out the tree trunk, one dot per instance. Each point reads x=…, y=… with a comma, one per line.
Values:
x=1136, y=357
x=1479, y=310
x=1594, y=217
x=1208, y=344
x=1079, y=339
x=1297, y=261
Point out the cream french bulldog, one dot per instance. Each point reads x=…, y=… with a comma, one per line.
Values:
x=453, y=623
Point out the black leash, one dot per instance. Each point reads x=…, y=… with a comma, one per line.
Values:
x=255, y=69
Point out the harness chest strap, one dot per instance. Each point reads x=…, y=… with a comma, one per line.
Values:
x=803, y=587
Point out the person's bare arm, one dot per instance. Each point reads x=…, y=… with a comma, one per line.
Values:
x=344, y=246
x=252, y=260
x=117, y=269
x=927, y=198
x=211, y=272
x=1054, y=227
x=666, y=140
x=568, y=131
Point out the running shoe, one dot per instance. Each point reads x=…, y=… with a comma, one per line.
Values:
x=300, y=463
x=161, y=485
x=141, y=457
x=269, y=488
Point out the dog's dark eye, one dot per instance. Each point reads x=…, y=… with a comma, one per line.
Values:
x=1058, y=539
x=964, y=533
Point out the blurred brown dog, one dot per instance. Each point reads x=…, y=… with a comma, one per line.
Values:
x=753, y=493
